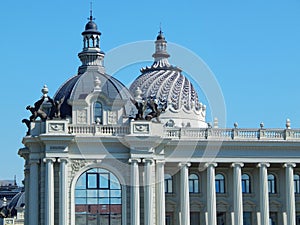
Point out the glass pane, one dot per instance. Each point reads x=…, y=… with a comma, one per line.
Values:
x=91, y=180
x=92, y=193
x=92, y=219
x=191, y=186
x=116, y=219
x=196, y=186
x=80, y=193
x=115, y=193
x=104, y=201
x=81, y=182
x=92, y=201
x=115, y=201
x=170, y=186
x=80, y=219
x=104, y=180
x=104, y=220
x=104, y=193
x=81, y=208
x=80, y=200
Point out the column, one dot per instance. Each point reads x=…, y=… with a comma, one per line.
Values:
x=264, y=193
x=160, y=196
x=27, y=188
x=148, y=198
x=135, y=192
x=33, y=213
x=237, y=193
x=211, y=194
x=290, y=193
x=49, y=191
x=184, y=193
x=63, y=197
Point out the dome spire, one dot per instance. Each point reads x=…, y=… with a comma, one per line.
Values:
x=91, y=54
x=161, y=55
x=91, y=12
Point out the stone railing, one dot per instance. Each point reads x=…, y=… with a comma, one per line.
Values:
x=232, y=134
x=146, y=128
x=99, y=130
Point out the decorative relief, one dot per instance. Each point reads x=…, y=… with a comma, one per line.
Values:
x=77, y=165
x=81, y=116
x=56, y=127
x=112, y=117
x=141, y=128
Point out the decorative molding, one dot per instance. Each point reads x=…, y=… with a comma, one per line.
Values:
x=112, y=117
x=141, y=128
x=82, y=116
x=76, y=165
x=56, y=127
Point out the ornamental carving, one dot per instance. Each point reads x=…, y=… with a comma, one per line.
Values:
x=56, y=127
x=81, y=116
x=141, y=128
x=112, y=117
x=77, y=165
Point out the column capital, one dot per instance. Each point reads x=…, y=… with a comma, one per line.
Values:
x=148, y=160
x=134, y=160
x=210, y=164
x=289, y=164
x=237, y=164
x=46, y=160
x=184, y=164
x=34, y=161
x=62, y=160
x=264, y=164
x=160, y=161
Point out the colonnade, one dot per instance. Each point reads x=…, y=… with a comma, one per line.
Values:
x=32, y=201
x=211, y=193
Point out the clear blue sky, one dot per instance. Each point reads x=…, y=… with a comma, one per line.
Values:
x=252, y=47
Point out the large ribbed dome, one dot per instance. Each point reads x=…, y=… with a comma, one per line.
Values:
x=166, y=82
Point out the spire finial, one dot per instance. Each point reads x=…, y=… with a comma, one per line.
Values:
x=160, y=29
x=91, y=12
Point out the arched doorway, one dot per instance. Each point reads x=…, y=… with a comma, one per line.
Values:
x=98, y=198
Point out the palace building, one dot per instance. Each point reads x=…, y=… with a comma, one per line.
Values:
x=100, y=153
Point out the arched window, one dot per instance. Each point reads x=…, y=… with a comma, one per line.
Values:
x=272, y=184
x=168, y=183
x=98, y=198
x=297, y=183
x=246, y=185
x=220, y=183
x=98, y=112
x=193, y=183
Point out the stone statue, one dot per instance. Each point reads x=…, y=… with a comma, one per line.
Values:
x=56, y=105
x=27, y=122
x=156, y=107
x=37, y=111
x=141, y=107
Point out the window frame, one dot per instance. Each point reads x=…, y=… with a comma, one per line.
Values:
x=168, y=179
x=246, y=183
x=98, y=111
x=272, y=183
x=296, y=183
x=194, y=187
x=219, y=183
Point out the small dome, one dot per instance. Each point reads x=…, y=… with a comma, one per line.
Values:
x=91, y=28
x=160, y=36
